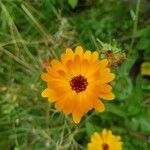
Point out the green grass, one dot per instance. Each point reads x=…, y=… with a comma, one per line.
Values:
x=32, y=32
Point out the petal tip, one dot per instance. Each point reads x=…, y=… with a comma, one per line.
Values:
x=45, y=93
x=76, y=118
x=44, y=76
x=78, y=50
x=69, y=50
x=99, y=106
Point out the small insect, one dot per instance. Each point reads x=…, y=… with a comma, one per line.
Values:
x=115, y=58
x=109, y=54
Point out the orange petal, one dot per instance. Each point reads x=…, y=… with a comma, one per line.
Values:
x=109, y=77
x=60, y=88
x=69, y=55
x=95, y=56
x=79, y=51
x=77, y=64
x=87, y=55
x=51, y=100
x=52, y=73
x=66, y=101
x=68, y=107
x=57, y=65
x=84, y=66
x=94, y=67
x=48, y=93
x=103, y=63
x=69, y=51
x=60, y=104
x=105, y=78
x=104, y=88
x=63, y=58
x=78, y=109
x=107, y=96
x=101, y=77
x=70, y=103
x=86, y=102
x=76, y=117
x=70, y=66
x=94, y=78
x=45, y=77
x=104, y=71
x=98, y=105
x=82, y=104
x=61, y=73
x=64, y=75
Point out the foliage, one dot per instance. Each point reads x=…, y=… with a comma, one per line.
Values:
x=33, y=32
x=73, y=3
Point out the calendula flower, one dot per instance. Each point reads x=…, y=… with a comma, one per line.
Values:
x=105, y=141
x=77, y=81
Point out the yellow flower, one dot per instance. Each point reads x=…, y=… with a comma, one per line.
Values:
x=77, y=82
x=105, y=141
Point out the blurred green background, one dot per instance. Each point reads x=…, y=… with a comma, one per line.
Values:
x=35, y=31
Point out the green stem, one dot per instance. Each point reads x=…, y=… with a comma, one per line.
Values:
x=135, y=25
x=16, y=139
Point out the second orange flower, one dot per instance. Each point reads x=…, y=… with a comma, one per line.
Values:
x=77, y=81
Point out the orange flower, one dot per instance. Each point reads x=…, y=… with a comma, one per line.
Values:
x=77, y=82
x=105, y=141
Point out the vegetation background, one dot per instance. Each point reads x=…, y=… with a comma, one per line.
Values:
x=35, y=31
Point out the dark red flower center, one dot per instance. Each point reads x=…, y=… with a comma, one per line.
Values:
x=105, y=147
x=78, y=83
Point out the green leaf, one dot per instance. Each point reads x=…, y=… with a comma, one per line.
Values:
x=91, y=128
x=144, y=124
x=135, y=98
x=138, y=88
x=143, y=43
x=147, y=55
x=73, y=3
x=133, y=124
x=125, y=68
x=143, y=35
x=115, y=110
x=123, y=88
